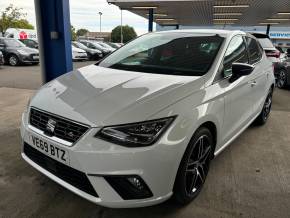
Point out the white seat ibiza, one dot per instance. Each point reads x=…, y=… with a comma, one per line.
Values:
x=144, y=123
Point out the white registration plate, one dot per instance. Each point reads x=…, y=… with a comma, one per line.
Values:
x=49, y=149
x=35, y=57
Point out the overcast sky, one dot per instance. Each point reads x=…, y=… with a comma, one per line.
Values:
x=84, y=14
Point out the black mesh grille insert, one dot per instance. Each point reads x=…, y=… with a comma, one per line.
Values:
x=64, y=129
x=127, y=190
x=72, y=176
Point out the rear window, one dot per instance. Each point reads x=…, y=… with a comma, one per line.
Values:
x=266, y=43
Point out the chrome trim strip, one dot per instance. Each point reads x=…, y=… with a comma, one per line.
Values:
x=53, y=138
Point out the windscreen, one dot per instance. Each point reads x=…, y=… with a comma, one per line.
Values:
x=97, y=46
x=167, y=53
x=80, y=45
x=105, y=45
x=13, y=43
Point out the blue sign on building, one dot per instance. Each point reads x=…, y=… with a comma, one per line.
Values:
x=280, y=35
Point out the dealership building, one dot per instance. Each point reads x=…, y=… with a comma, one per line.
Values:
x=279, y=35
x=272, y=17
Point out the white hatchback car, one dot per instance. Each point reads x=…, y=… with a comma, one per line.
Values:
x=78, y=54
x=144, y=123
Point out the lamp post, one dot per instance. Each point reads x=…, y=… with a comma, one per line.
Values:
x=100, y=13
x=121, y=26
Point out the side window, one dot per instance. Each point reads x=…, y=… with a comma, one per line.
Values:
x=236, y=53
x=255, y=53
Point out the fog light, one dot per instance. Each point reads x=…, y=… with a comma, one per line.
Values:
x=129, y=187
x=136, y=182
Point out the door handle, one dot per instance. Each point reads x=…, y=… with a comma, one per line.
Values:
x=254, y=83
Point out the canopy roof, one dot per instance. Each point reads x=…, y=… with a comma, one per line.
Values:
x=210, y=12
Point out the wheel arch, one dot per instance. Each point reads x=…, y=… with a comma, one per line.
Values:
x=12, y=53
x=211, y=126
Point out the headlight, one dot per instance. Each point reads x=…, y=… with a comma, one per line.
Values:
x=22, y=52
x=136, y=134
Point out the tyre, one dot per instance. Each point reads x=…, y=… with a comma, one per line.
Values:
x=13, y=60
x=282, y=79
x=265, y=113
x=194, y=167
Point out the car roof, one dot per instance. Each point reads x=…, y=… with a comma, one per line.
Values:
x=225, y=33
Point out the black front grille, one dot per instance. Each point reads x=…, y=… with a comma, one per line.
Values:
x=64, y=128
x=72, y=176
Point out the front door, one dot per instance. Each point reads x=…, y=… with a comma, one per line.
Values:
x=238, y=100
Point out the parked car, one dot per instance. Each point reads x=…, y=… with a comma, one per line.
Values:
x=15, y=52
x=283, y=53
x=119, y=44
x=1, y=58
x=31, y=43
x=106, y=46
x=113, y=45
x=144, y=125
x=78, y=54
x=93, y=45
x=93, y=54
x=279, y=61
x=288, y=52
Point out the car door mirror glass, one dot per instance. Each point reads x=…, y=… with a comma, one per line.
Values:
x=239, y=70
x=227, y=71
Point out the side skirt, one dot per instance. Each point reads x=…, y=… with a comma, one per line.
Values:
x=235, y=136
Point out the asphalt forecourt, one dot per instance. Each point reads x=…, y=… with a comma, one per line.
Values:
x=27, y=77
x=251, y=174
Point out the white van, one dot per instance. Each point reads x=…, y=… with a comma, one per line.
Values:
x=21, y=33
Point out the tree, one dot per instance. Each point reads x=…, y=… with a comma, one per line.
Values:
x=12, y=17
x=128, y=34
x=23, y=24
x=82, y=32
x=73, y=33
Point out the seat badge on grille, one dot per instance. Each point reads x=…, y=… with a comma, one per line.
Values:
x=71, y=134
x=50, y=126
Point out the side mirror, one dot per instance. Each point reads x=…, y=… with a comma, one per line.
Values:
x=239, y=70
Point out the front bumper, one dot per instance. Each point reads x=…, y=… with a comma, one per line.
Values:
x=156, y=165
x=79, y=56
x=31, y=58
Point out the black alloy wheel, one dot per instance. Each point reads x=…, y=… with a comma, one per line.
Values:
x=281, y=79
x=194, y=167
x=265, y=113
x=267, y=107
